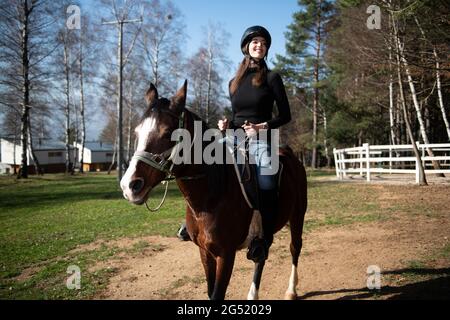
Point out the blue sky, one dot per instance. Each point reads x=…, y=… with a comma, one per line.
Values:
x=235, y=16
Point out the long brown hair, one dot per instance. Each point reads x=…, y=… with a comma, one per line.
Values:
x=258, y=79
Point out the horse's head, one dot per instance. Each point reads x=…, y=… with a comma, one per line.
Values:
x=150, y=163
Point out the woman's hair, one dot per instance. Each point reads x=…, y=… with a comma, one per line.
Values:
x=258, y=79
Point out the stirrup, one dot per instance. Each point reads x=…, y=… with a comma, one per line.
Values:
x=257, y=250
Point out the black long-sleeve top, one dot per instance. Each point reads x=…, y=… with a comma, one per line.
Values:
x=255, y=104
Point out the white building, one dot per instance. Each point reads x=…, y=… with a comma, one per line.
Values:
x=51, y=155
x=97, y=155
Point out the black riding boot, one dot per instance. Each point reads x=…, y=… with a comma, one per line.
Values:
x=268, y=205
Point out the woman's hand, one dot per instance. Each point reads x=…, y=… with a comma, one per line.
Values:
x=252, y=129
x=223, y=124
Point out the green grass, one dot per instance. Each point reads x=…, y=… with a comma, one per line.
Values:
x=335, y=204
x=445, y=252
x=43, y=218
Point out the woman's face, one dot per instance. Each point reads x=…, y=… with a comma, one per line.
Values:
x=257, y=48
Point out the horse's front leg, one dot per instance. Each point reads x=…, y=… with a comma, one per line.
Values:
x=253, y=292
x=224, y=269
x=209, y=264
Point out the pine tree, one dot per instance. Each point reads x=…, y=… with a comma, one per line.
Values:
x=303, y=66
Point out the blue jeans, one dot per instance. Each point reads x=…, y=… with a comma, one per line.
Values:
x=260, y=154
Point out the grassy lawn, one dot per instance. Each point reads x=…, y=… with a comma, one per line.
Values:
x=43, y=219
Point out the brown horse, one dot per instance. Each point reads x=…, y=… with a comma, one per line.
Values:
x=218, y=217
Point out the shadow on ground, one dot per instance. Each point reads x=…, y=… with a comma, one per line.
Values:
x=436, y=288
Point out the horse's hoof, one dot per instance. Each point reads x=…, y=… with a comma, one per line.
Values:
x=290, y=296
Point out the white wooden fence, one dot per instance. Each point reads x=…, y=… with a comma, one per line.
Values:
x=367, y=160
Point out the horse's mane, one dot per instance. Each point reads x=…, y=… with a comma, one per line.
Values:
x=216, y=173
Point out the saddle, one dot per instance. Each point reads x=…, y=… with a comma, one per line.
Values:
x=247, y=177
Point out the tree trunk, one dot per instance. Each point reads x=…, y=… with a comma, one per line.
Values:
x=422, y=177
x=412, y=89
x=316, y=84
x=114, y=156
x=119, y=105
x=391, y=97
x=23, y=172
x=67, y=109
x=37, y=166
x=14, y=152
x=438, y=80
x=83, y=120
x=325, y=141
x=439, y=90
x=130, y=99
x=210, y=65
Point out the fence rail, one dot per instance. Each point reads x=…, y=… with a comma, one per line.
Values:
x=367, y=159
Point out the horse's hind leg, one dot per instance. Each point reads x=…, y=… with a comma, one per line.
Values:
x=253, y=293
x=296, y=246
x=209, y=264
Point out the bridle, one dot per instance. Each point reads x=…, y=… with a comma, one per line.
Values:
x=164, y=161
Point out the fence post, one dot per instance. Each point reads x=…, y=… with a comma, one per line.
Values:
x=417, y=162
x=336, y=163
x=343, y=165
x=360, y=153
x=367, y=148
x=417, y=171
x=390, y=159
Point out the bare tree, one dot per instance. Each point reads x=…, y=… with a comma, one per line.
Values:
x=24, y=47
x=120, y=19
x=400, y=64
x=161, y=43
x=216, y=43
x=207, y=87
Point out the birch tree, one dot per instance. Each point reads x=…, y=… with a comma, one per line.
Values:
x=25, y=45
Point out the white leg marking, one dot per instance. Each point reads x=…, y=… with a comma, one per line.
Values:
x=253, y=293
x=291, y=292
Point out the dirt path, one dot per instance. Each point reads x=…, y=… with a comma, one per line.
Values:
x=333, y=264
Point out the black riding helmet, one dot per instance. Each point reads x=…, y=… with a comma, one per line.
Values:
x=252, y=32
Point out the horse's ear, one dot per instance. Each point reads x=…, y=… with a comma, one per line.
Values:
x=151, y=95
x=179, y=100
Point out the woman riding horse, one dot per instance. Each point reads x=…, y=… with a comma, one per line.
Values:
x=253, y=92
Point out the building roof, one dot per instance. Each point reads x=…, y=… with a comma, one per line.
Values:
x=98, y=146
x=43, y=144
x=48, y=145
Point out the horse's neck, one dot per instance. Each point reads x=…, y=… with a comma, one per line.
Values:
x=192, y=185
x=199, y=195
